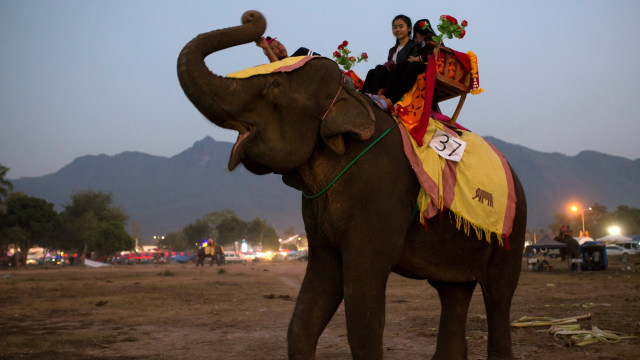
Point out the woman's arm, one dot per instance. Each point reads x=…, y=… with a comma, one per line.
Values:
x=267, y=50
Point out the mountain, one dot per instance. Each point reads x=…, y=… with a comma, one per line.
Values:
x=552, y=181
x=164, y=194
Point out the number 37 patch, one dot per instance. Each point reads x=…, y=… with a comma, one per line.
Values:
x=447, y=146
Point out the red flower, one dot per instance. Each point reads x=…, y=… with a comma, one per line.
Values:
x=365, y=56
x=340, y=47
x=450, y=19
x=345, y=43
x=422, y=24
x=462, y=33
x=336, y=54
x=464, y=23
x=352, y=58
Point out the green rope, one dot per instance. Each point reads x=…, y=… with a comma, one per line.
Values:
x=413, y=215
x=350, y=164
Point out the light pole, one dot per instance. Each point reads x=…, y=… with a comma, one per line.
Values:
x=574, y=208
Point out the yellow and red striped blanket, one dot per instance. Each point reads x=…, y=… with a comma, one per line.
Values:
x=478, y=189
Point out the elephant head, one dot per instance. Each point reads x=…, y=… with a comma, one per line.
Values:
x=282, y=118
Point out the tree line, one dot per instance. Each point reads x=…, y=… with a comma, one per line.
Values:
x=225, y=228
x=90, y=223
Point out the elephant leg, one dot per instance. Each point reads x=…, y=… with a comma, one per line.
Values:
x=366, y=271
x=497, y=301
x=365, y=312
x=454, y=299
x=318, y=299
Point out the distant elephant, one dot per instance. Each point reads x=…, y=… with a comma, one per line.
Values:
x=308, y=127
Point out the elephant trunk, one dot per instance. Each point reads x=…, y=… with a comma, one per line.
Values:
x=213, y=95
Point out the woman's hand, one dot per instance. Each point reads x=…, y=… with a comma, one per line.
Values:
x=262, y=43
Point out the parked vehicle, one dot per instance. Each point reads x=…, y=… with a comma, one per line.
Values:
x=302, y=255
x=618, y=250
x=632, y=246
x=232, y=257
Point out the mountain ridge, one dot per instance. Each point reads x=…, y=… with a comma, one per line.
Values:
x=163, y=194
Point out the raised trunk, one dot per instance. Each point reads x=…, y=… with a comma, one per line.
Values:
x=213, y=95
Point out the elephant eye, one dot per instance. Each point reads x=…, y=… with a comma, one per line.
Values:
x=275, y=83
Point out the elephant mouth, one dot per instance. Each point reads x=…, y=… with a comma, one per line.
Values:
x=245, y=133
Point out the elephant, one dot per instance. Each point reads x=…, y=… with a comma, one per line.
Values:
x=306, y=126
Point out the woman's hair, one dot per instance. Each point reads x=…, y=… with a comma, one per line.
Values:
x=423, y=26
x=406, y=20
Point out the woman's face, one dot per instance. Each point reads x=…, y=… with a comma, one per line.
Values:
x=278, y=49
x=400, y=29
x=419, y=37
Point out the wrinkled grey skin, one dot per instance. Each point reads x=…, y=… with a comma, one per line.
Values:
x=362, y=228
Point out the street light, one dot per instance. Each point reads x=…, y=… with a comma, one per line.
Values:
x=614, y=230
x=574, y=208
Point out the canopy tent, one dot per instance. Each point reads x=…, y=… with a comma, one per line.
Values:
x=582, y=240
x=547, y=243
x=613, y=238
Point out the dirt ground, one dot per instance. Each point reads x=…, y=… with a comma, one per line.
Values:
x=176, y=311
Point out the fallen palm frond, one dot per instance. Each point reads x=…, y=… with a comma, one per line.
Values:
x=574, y=336
x=528, y=321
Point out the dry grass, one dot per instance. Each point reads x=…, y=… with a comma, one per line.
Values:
x=179, y=311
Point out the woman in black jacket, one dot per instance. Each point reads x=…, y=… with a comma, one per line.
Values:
x=404, y=76
x=404, y=48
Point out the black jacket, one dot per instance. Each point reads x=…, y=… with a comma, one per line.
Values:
x=411, y=48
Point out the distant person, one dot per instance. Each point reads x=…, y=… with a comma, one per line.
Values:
x=218, y=254
x=200, y=255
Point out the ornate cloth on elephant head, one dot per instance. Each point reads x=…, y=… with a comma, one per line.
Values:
x=284, y=65
x=478, y=188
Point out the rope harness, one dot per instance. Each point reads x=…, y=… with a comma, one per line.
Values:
x=415, y=208
x=335, y=97
x=350, y=164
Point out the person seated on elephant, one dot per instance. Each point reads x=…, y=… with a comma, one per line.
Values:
x=405, y=47
x=276, y=51
x=405, y=74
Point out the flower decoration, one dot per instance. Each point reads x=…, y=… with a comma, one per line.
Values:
x=449, y=28
x=475, y=86
x=425, y=26
x=344, y=59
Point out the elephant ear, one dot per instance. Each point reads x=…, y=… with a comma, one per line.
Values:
x=349, y=115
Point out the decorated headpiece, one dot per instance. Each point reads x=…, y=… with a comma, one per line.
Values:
x=269, y=39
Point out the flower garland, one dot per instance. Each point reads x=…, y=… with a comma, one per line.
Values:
x=475, y=86
x=342, y=56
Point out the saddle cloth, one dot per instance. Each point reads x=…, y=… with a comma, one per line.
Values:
x=284, y=65
x=208, y=250
x=478, y=189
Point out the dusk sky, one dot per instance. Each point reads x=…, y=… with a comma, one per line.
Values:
x=99, y=77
